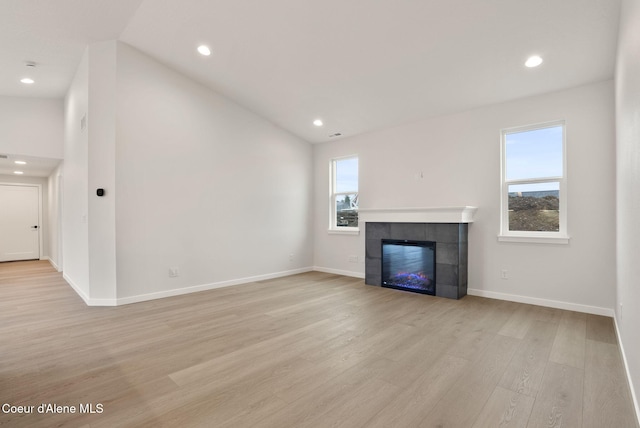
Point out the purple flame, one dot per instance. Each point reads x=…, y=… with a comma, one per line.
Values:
x=412, y=280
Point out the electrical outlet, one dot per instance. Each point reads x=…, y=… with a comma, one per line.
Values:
x=504, y=274
x=173, y=272
x=353, y=259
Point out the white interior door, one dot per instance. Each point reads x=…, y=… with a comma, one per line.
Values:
x=19, y=224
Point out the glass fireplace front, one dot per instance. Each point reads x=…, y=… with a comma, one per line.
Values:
x=409, y=265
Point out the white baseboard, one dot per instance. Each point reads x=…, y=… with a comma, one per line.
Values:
x=77, y=289
x=52, y=263
x=178, y=291
x=634, y=397
x=87, y=300
x=339, y=272
x=205, y=287
x=594, y=310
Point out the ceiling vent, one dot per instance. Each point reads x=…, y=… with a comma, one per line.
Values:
x=4, y=157
x=337, y=134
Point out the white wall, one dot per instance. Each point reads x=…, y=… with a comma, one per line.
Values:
x=88, y=220
x=101, y=170
x=202, y=185
x=31, y=126
x=459, y=156
x=54, y=212
x=628, y=188
x=192, y=181
x=75, y=228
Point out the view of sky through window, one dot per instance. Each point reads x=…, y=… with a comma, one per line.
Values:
x=534, y=154
x=346, y=175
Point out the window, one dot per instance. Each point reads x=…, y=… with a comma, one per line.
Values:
x=344, y=194
x=534, y=195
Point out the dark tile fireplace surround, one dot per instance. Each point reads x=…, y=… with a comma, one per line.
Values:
x=451, y=240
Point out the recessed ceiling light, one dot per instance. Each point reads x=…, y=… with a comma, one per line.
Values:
x=20, y=162
x=27, y=81
x=317, y=122
x=18, y=172
x=533, y=61
x=204, y=50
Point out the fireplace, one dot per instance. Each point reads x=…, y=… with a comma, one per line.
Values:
x=409, y=265
x=450, y=252
x=447, y=227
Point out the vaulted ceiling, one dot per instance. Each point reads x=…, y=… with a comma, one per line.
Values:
x=359, y=65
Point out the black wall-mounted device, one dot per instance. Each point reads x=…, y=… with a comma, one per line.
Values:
x=100, y=192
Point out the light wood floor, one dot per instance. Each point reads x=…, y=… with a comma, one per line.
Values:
x=311, y=350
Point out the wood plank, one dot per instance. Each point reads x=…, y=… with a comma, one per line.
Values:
x=505, y=409
x=559, y=402
x=415, y=401
x=601, y=329
x=606, y=392
x=519, y=322
x=417, y=360
x=462, y=403
x=354, y=386
x=568, y=347
x=526, y=369
x=351, y=410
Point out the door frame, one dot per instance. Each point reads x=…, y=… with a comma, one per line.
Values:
x=40, y=224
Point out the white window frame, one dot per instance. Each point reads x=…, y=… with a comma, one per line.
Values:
x=506, y=235
x=333, y=227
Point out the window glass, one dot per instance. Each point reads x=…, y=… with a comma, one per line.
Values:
x=534, y=154
x=534, y=207
x=347, y=210
x=346, y=175
x=344, y=193
x=534, y=182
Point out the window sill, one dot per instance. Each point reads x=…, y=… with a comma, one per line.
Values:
x=350, y=231
x=562, y=239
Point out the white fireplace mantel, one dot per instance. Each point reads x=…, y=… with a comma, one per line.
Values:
x=417, y=215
